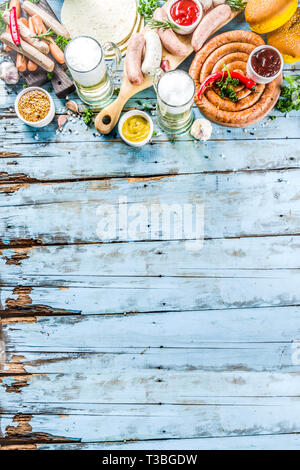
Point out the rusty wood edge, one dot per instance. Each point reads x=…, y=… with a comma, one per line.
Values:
x=20, y=180
x=31, y=243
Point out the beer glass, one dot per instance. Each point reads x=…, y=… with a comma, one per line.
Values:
x=85, y=59
x=175, y=97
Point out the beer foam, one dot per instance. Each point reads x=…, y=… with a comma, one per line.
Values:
x=83, y=54
x=176, y=88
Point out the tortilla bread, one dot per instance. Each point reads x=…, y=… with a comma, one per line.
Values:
x=104, y=20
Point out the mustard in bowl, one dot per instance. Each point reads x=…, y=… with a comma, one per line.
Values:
x=136, y=128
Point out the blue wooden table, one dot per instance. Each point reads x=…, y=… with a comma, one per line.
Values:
x=136, y=342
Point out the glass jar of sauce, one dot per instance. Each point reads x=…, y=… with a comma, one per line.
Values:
x=185, y=14
x=265, y=64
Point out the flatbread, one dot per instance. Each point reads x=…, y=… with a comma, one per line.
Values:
x=104, y=20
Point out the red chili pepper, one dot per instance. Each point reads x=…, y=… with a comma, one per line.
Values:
x=13, y=24
x=215, y=77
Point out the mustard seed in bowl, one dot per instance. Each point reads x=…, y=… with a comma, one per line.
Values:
x=34, y=106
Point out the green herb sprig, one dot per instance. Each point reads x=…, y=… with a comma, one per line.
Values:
x=61, y=41
x=44, y=36
x=290, y=95
x=2, y=22
x=162, y=25
x=88, y=116
x=236, y=5
x=146, y=8
x=226, y=86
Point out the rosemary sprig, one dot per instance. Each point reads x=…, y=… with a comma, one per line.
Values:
x=236, y=5
x=162, y=25
x=44, y=36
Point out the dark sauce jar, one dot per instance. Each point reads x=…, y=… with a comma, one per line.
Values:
x=265, y=64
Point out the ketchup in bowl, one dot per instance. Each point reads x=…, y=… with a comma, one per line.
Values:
x=185, y=12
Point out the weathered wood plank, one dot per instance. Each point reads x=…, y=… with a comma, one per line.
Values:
x=233, y=258
x=133, y=294
x=234, y=206
x=69, y=161
x=284, y=441
x=65, y=393
x=188, y=329
x=126, y=422
x=14, y=131
x=263, y=442
x=217, y=356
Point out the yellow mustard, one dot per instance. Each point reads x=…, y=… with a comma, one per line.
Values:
x=136, y=128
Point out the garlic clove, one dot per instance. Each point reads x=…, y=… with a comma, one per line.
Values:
x=9, y=73
x=201, y=129
x=72, y=106
x=61, y=121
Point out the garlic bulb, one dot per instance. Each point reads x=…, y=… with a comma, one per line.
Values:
x=9, y=73
x=201, y=129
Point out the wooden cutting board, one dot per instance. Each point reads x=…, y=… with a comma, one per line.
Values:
x=61, y=83
x=108, y=117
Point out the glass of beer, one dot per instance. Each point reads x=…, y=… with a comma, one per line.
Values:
x=175, y=97
x=85, y=59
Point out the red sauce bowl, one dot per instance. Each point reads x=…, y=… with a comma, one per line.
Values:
x=182, y=15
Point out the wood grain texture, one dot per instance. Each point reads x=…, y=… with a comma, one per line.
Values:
x=139, y=343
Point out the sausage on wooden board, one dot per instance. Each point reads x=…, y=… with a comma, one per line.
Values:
x=133, y=60
x=169, y=39
x=27, y=35
x=210, y=23
x=30, y=52
x=49, y=20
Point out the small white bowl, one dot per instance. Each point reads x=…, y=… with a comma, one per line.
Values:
x=258, y=78
x=43, y=122
x=135, y=113
x=185, y=29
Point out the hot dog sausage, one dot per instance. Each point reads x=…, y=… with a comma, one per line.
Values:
x=212, y=21
x=169, y=39
x=133, y=60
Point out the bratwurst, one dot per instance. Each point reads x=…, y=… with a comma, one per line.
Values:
x=133, y=60
x=210, y=23
x=169, y=39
